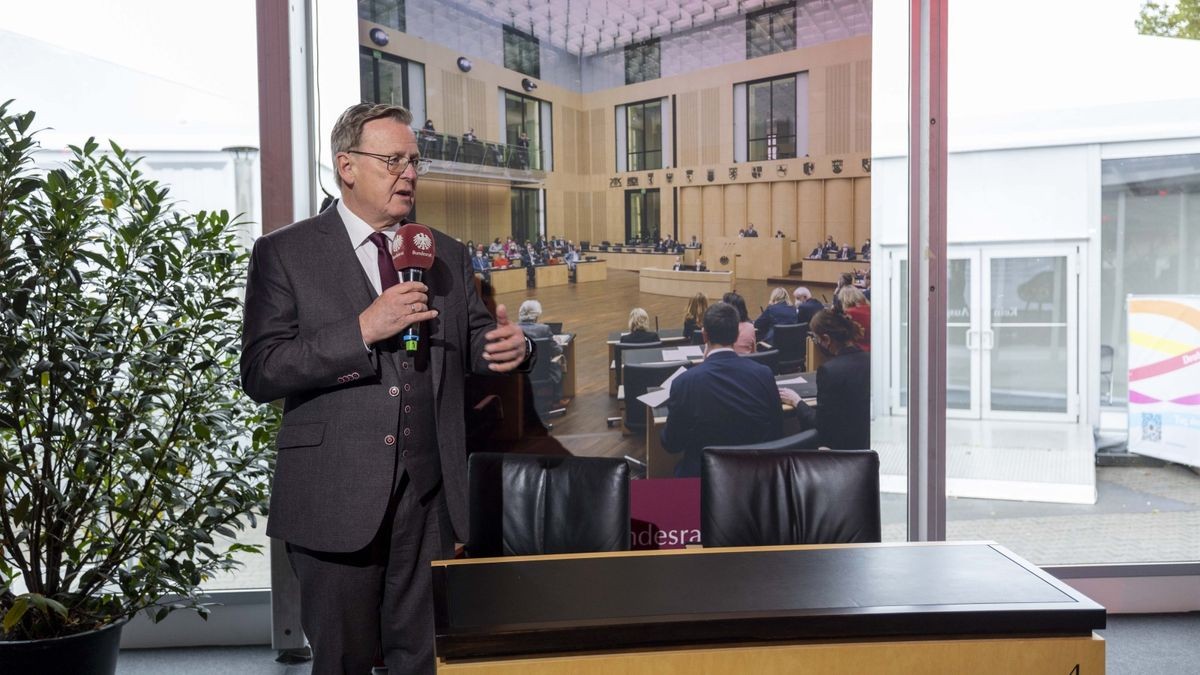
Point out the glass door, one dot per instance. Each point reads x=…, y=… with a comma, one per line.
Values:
x=1030, y=333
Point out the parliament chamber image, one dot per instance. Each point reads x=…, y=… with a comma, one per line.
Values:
x=626, y=336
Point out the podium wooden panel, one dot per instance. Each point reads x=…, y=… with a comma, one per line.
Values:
x=545, y=276
x=591, y=271
x=684, y=284
x=627, y=260
x=828, y=271
x=878, y=608
x=749, y=258
x=508, y=280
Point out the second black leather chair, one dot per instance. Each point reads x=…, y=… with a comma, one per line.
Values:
x=754, y=497
x=537, y=504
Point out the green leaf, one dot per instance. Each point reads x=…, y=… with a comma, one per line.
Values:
x=15, y=613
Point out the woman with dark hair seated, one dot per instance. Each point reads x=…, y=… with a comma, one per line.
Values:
x=843, y=415
x=693, y=318
x=746, y=339
x=639, y=328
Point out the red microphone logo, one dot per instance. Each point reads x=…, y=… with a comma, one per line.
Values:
x=413, y=247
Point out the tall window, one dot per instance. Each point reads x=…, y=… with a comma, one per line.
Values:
x=383, y=78
x=526, y=214
x=389, y=13
x=523, y=131
x=643, y=135
x=641, y=215
x=771, y=31
x=643, y=62
x=522, y=52
x=771, y=112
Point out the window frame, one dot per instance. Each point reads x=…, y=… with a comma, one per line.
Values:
x=770, y=14
x=630, y=154
x=377, y=56
x=528, y=48
x=751, y=140
x=640, y=51
x=373, y=13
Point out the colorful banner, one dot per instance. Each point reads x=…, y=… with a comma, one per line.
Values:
x=1164, y=377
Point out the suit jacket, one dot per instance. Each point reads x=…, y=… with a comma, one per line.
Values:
x=806, y=310
x=843, y=414
x=777, y=314
x=639, y=336
x=301, y=343
x=726, y=400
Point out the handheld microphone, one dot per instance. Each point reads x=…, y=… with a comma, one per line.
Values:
x=412, y=254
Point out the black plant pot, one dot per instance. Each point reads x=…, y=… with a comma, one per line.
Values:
x=91, y=653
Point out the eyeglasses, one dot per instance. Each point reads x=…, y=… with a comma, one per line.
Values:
x=397, y=164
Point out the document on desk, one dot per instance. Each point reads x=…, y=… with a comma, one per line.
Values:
x=657, y=398
x=562, y=340
x=792, y=380
x=683, y=353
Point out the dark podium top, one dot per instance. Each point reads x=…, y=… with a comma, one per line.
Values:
x=497, y=606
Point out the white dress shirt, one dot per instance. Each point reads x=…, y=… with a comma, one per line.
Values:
x=360, y=232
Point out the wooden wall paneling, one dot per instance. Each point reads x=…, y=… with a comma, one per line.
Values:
x=600, y=229
x=479, y=210
x=583, y=141
x=600, y=151
x=862, y=106
x=810, y=214
x=454, y=104
x=687, y=131
x=783, y=209
x=476, y=110
x=713, y=212
x=556, y=218
x=691, y=205
x=566, y=146
x=736, y=211
x=569, y=205
x=862, y=210
x=710, y=126
x=839, y=210
x=758, y=208
x=431, y=205
x=838, y=111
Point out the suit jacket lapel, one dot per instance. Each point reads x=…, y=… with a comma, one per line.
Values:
x=439, y=286
x=353, y=280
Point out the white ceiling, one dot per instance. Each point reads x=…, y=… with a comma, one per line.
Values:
x=588, y=27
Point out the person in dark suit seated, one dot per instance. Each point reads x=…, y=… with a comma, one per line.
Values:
x=700, y=266
x=639, y=328
x=830, y=246
x=693, y=317
x=843, y=415
x=529, y=259
x=678, y=265
x=750, y=231
x=481, y=264
x=817, y=253
x=806, y=305
x=846, y=253
x=528, y=318
x=726, y=400
x=865, y=253
x=779, y=312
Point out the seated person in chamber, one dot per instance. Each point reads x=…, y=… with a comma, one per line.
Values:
x=481, y=263
x=844, y=279
x=693, y=317
x=726, y=400
x=865, y=253
x=847, y=253
x=806, y=305
x=750, y=231
x=528, y=318
x=830, y=246
x=843, y=415
x=495, y=247
x=572, y=257
x=746, y=341
x=639, y=328
x=678, y=264
x=700, y=266
x=778, y=313
x=694, y=243
x=855, y=305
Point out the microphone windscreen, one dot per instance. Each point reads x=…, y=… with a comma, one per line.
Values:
x=413, y=247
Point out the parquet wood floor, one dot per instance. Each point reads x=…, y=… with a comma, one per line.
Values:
x=592, y=311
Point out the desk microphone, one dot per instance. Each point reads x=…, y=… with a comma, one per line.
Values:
x=412, y=254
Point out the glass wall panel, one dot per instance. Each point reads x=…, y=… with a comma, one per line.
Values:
x=522, y=52
x=644, y=135
x=771, y=109
x=389, y=13
x=770, y=31
x=523, y=131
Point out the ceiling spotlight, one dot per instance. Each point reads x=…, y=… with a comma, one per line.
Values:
x=379, y=36
x=528, y=84
x=464, y=64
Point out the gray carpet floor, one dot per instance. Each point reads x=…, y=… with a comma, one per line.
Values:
x=1158, y=644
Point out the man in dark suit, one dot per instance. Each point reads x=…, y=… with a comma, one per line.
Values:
x=726, y=400
x=370, y=480
x=806, y=305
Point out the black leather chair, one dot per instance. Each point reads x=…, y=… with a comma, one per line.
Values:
x=789, y=340
x=546, y=392
x=751, y=496
x=622, y=347
x=538, y=504
x=769, y=358
x=639, y=377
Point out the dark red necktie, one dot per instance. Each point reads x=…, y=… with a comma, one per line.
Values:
x=388, y=276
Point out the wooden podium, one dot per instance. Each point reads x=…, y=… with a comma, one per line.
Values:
x=749, y=258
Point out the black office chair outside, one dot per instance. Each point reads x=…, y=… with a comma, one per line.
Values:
x=639, y=377
x=790, y=339
x=769, y=358
x=539, y=504
x=751, y=496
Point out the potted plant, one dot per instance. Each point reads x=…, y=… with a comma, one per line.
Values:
x=129, y=457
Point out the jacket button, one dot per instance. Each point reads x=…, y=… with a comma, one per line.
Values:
x=408, y=408
x=389, y=440
x=342, y=380
x=404, y=365
x=393, y=391
x=354, y=376
x=408, y=387
x=403, y=454
x=407, y=431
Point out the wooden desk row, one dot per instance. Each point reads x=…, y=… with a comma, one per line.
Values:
x=512, y=279
x=828, y=271
x=684, y=284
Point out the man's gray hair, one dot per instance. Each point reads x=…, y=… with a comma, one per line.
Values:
x=801, y=293
x=347, y=131
x=531, y=310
